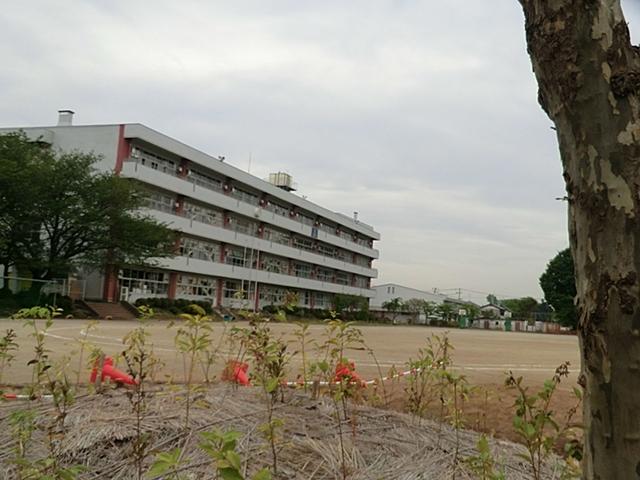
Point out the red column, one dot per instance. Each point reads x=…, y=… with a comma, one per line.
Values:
x=123, y=150
x=110, y=290
x=219, y=293
x=257, y=299
x=173, y=285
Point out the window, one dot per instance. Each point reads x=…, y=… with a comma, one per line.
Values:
x=244, y=196
x=276, y=236
x=189, y=286
x=272, y=295
x=277, y=208
x=153, y=160
x=273, y=264
x=303, y=243
x=327, y=250
x=343, y=278
x=361, y=282
x=203, y=214
x=324, y=274
x=242, y=225
x=143, y=283
x=199, y=249
x=322, y=300
x=302, y=270
x=205, y=180
x=161, y=201
x=238, y=256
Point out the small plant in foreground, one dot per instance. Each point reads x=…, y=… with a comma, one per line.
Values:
x=221, y=447
x=166, y=465
x=138, y=360
x=460, y=390
x=483, y=465
x=340, y=337
x=270, y=358
x=193, y=340
x=535, y=422
x=425, y=383
x=7, y=348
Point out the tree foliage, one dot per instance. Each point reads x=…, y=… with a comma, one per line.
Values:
x=57, y=212
x=559, y=286
x=521, y=308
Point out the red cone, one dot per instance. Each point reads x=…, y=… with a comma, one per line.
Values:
x=109, y=371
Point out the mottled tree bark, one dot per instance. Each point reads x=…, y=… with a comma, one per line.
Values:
x=589, y=79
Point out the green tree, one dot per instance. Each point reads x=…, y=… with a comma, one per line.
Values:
x=394, y=307
x=414, y=306
x=492, y=299
x=20, y=163
x=521, y=308
x=73, y=214
x=350, y=303
x=446, y=311
x=559, y=286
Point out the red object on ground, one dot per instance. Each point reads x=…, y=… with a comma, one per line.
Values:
x=347, y=371
x=109, y=371
x=236, y=372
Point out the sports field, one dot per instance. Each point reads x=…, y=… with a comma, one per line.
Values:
x=482, y=355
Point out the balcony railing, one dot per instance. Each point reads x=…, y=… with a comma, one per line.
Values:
x=287, y=214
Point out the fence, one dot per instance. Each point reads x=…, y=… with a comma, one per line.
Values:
x=65, y=287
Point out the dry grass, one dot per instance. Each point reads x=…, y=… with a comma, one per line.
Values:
x=380, y=444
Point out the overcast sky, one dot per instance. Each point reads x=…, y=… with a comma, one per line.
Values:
x=420, y=115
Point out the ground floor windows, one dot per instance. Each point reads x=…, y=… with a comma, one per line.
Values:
x=136, y=284
x=190, y=286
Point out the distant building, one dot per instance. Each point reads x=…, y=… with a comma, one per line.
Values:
x=495, y=311
x=389, y=291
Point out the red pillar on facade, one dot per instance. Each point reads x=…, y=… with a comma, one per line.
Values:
x=173, y=285
x=110, y=289
x=257, y=299
x=123, y=151
x=219, y=292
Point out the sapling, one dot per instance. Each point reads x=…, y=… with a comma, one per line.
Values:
x=84, y=344
x=193, y=339
x=535, y=423
x=8, y=347
x=340, y=337
x=221, y=448
x=270, y=359
x=483, y=465
x=138, y=360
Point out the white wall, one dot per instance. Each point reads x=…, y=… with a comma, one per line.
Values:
x=389, y=291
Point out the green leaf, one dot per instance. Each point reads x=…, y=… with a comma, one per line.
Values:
x=263, y=474
x=230, y=474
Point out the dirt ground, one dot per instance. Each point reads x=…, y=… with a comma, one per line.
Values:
x=484, y=356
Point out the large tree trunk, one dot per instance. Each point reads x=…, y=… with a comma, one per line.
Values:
x=589, y=79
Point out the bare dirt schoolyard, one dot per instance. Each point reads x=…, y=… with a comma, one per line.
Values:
x=484, y=356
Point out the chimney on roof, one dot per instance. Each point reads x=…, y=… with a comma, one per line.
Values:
x=65, y=118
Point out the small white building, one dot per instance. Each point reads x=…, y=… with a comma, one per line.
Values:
x=496, y=311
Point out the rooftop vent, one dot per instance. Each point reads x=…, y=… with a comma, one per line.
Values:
x=65, y=118
x=282, y=180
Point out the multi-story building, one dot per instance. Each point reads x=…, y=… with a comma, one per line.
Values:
x=240, y=236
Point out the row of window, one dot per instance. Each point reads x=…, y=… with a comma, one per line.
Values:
x=211, y=216
x=250, y=258
x=212, y=182
x=141, y=283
